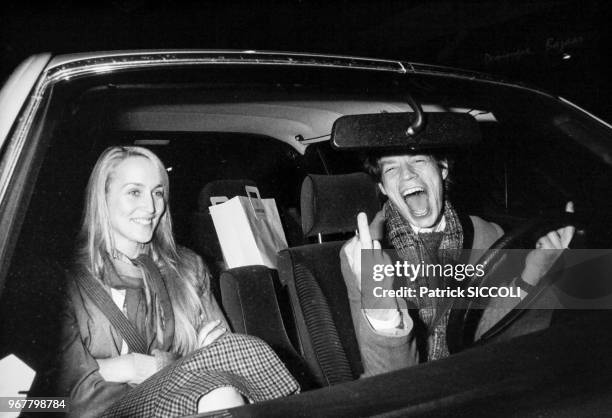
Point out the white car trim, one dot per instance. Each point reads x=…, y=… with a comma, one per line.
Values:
x=575, y=106
x=221, y=55
x=16, y=90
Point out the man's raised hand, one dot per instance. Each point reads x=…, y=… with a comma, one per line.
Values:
x=548, y=249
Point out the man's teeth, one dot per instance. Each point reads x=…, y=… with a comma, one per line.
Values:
x=412, y=191
x=143, y=221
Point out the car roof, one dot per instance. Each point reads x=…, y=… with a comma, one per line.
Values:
x=245, y=56
x=261, y=57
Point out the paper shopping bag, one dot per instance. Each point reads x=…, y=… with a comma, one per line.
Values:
x=249, y=230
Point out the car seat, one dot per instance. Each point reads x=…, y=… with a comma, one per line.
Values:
x=255, y=304
x=311, y=273
x=204, y=236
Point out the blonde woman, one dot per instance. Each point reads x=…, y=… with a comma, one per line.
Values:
x=128, y=266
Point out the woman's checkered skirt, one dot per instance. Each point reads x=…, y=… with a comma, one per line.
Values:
x=240, y=361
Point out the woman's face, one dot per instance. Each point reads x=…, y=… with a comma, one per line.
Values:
x=135, y=200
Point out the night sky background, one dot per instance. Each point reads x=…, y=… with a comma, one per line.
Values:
x=560, y=46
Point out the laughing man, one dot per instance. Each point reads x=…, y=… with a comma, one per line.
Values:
x=423, y=227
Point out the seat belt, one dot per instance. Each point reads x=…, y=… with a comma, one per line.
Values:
x=468, y=230
x=102, y=299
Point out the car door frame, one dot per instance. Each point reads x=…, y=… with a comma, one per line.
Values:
x=19, y=132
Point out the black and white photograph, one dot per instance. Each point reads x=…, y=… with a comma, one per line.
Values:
x=305, y=209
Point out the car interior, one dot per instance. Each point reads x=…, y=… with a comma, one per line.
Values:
x=220, y=129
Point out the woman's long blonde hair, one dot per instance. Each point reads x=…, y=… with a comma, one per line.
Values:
x=96, y=238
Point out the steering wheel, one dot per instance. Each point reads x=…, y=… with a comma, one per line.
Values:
x=463, y=322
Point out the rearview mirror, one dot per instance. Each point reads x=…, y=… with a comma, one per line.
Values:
x=389, y=130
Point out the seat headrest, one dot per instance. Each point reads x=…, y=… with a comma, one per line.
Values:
x=227, y=188
x=330, y=204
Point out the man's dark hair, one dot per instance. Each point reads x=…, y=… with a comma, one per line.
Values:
x=371, y=162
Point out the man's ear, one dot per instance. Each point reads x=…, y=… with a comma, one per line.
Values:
x=382, y=189
x=444, y=168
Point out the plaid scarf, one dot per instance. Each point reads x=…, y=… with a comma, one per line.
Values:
x=443, y=248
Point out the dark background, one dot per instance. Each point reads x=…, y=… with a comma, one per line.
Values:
x=560, y=46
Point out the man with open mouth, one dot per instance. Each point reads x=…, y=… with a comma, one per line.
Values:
x=421, y=224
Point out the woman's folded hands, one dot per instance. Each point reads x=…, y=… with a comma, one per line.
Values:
x=210, y=332
x=131, y=368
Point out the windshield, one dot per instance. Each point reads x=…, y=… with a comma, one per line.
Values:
x=270, y=125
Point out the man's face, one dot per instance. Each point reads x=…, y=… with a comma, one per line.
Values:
x=415, y=185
